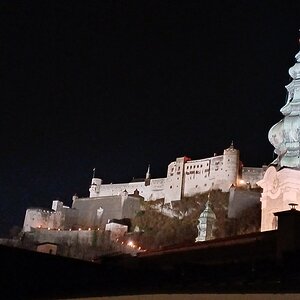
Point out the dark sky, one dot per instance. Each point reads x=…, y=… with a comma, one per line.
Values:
x=116, y=85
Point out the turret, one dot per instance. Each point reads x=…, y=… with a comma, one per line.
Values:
x=95, y=187
x=148, y=176
x=231, y=159
x=124, y=196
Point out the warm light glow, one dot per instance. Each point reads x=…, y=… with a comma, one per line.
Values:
x=131, y=244
x=70, y=229
x=89, y=228
x=48, y=228
x=79, y=229
x=241, y=181
x=58, y=229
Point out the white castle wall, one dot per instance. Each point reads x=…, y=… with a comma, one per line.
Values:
x=41, y=218
x=151, y=192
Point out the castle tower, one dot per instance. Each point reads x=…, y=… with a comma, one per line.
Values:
x=281, y=183
x=148, y=176
x=95, y=186
x=174, y=181
x=231, y=161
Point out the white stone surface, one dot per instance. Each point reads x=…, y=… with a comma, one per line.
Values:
x=280, y=188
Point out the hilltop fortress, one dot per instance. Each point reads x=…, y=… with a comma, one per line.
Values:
x=185, y=178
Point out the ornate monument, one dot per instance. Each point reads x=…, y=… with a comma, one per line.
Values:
x=281, y=183
x=206, y=223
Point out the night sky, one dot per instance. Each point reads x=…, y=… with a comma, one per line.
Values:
x=117, y=85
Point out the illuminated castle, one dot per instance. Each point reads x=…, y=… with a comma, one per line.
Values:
x=185, y=177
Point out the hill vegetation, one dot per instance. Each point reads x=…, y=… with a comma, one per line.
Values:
x=155, y=229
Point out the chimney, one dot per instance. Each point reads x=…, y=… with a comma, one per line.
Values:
x=288, y=231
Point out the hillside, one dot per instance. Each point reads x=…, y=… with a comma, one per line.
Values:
x=154, y=229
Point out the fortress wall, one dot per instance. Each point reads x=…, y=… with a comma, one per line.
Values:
x=114, y=207
x=37, y=217
x=65, y=236
x=152, y=192
x=131, y=207
x=87, y=210
x=252, y=175
x=116, y=189
x=157, y=184
x=113, y=189
x=156, y=189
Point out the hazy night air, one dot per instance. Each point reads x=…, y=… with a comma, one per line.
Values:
x=119, y=85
